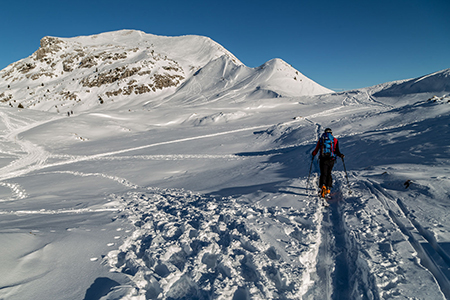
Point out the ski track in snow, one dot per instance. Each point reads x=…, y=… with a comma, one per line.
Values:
x=17, y=192
x=35, y=157
x=119, y=180
x=341, y=270
x=401, y=216
x=156, y=157
x=58, y=211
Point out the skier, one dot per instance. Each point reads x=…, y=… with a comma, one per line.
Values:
x=329, y=150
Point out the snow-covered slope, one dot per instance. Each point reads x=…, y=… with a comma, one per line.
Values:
x=68, y=75
x=223, y=81
x=203, y=190
x=438, y=82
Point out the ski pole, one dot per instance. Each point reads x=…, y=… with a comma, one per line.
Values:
x=346, y=176
x=309, y=175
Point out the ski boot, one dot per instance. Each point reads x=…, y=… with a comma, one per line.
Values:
x=324, y=191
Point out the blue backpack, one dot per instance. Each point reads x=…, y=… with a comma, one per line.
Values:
x=327, y=149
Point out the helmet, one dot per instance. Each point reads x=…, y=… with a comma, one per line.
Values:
x=328, y=130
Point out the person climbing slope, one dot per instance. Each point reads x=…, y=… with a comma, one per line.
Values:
x=328, y=146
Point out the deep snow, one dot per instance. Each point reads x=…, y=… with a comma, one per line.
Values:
x=200, y=191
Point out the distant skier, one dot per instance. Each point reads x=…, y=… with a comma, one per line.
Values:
x=328, y=146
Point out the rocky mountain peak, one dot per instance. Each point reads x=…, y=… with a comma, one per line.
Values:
x=81, y=73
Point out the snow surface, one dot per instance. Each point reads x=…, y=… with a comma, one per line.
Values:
x=202, y=190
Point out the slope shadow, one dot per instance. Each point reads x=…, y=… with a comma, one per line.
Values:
x=101, y=287
x=294, y=161
x=440, y=262
x=421, y=142
x=245, y=190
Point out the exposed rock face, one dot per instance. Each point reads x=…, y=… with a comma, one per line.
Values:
x=49, y=45
x=5, y=97
x=65, y=73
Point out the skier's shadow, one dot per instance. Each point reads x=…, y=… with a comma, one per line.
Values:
x=291, y=192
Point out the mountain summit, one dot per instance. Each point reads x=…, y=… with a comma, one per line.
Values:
x=82, y=73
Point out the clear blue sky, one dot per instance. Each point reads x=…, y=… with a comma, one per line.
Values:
x=339, y=44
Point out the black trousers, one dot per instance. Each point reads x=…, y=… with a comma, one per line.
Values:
x=326, y=166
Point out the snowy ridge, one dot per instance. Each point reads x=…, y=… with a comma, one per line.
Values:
x=222, y=80
x=68, y=75
x=437, y=82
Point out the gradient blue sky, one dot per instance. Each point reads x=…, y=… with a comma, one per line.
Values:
x=339, y=44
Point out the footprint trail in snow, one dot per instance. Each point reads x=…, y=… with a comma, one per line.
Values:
x=188, y=246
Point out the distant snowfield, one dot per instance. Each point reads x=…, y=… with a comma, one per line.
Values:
x=202, y=192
